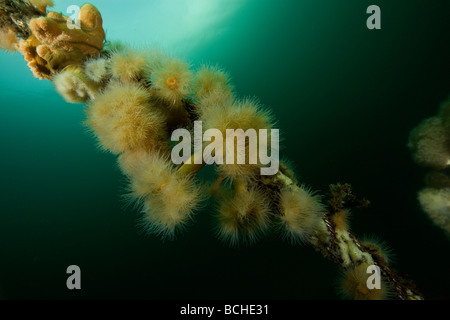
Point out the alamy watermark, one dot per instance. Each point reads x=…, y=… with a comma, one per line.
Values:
x=374, y=280
x=73, y=22
x=374, y=21
x=74, y=280
x=224, y=150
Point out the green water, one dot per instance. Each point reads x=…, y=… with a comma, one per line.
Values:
x=345, y=98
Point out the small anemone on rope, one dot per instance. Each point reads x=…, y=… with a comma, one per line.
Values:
x=135, y=98
x=167, y=200
x=301, y=212
x=353, y=285
x=243, y=216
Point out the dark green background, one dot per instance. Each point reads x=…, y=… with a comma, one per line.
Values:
x=346, y=99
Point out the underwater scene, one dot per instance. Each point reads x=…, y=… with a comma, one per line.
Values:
x=224, y=150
